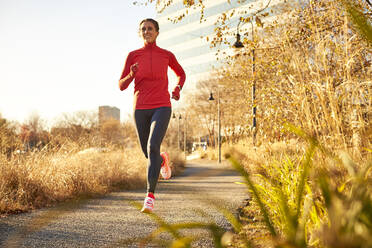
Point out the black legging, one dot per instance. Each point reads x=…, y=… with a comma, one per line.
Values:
x=151, y=126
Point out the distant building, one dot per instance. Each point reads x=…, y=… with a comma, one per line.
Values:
x=106, y=113
x=187, y=38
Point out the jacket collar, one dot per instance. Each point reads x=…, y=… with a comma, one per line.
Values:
x=150, y=45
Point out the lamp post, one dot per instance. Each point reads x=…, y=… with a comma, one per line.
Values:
x=238, y=44
x=178, y=140
x=211, y=98
x=185, y=136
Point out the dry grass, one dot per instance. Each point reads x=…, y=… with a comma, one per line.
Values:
x=255, y=156
x=67, y=164
x=44, y=178
x=41, y=179
x=177, y=160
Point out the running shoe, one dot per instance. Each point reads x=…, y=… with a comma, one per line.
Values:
x=165, y=169
x=148, y=205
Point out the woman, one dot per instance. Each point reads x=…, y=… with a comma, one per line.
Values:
x=148, y=67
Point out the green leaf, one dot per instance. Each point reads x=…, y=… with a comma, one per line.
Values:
x=263, y=209
x=184, y=242
x=360, y=21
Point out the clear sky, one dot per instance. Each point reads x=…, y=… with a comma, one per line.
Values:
x=63, y=56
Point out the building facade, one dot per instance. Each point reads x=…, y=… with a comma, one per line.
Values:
x=187, y=38
x=107, y=113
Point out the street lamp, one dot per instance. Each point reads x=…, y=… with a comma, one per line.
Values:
x=211, y=98
x=238, y=44
x=185, y=136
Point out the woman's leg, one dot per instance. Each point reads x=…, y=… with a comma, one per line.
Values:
x=159, y=124
x=142, y=119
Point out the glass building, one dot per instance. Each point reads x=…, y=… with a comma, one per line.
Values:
x=187, y=38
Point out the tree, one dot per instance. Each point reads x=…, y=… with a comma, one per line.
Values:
x=31, y=132
x=9, y=141
x=201, y=112
x=80, y=128
x=315, y=73
x=86, y=119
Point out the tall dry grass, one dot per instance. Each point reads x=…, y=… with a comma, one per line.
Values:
x=313, y=70
x=70, y=162
x=41, y=178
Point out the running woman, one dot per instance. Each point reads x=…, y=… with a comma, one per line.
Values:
x=148, y=67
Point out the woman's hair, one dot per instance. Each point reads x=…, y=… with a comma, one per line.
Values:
x=156, y=24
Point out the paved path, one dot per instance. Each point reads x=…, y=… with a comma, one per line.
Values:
x=110, y=220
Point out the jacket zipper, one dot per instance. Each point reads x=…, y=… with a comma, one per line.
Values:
x=152, y=73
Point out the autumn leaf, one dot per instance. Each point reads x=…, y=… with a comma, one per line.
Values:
x=258, y=21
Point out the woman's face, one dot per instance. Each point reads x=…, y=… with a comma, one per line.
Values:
x=148, y=32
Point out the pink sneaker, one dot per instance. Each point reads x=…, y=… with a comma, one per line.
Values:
x=148, y=205
x=165, y=169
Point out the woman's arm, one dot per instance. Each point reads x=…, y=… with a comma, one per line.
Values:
x=128, y=73
x=177, y=68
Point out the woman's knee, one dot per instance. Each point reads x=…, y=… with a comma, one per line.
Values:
x=153, y=149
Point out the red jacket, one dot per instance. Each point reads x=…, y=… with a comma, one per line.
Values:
x=151, y=78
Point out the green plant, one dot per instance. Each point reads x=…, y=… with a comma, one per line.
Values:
x=349, y=207
x=177, y=238
x=342, y=217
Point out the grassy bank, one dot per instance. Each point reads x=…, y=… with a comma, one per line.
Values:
x=305, y=195
x=43, y=178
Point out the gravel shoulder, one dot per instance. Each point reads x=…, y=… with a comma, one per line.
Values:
x=110, y=220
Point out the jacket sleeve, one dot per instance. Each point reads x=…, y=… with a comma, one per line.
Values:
x=177, y=68
x=126, y=76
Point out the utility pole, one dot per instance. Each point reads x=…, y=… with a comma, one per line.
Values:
x=185, y=136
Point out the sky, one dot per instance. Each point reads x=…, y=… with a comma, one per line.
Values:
x=64, y=56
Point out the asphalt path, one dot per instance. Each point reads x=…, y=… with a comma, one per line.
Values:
x=113, y=220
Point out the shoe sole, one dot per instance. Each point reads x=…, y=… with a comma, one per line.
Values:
x=146, y=210
x=166, y=164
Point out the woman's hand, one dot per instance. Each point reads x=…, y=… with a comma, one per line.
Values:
x=176, y=93
x=134, y=69
x=124, y=82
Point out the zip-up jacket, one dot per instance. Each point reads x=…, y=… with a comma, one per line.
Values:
x=151, y=78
